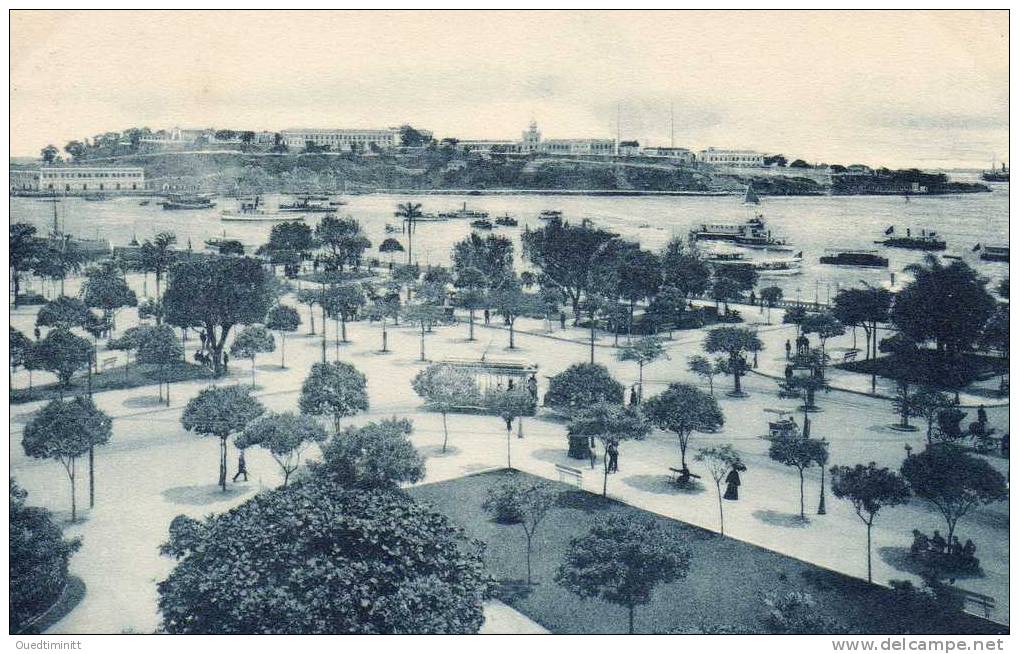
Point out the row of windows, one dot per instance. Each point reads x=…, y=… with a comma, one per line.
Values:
x=78, y=175
x=101, y=187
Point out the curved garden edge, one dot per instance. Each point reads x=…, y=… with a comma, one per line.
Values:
x=70, y=596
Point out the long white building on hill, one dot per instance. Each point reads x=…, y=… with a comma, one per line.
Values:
x=342, y=140
x=77, y=179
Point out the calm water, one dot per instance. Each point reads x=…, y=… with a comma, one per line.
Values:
x=810, y=224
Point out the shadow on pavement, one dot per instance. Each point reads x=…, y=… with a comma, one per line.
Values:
x=143, y=402
x=435, y=451
x=899, y=558
x=202, y=495
x=779, y=519
x=662, y=485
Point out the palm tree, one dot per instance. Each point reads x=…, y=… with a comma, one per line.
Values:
x=409, y=212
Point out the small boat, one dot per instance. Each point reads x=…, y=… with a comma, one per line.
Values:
x=144, y=203
x=96, y=197
x=506, y=221
x=186, y=201
x=550, y=214
x=860, y=258
x=927, y=241
x=995, y=174
x=481, y=224
x=308, y=204
x=337, y=203
x=430, y=218
x=251, y=211
x=391, y=229
x=994, y=253
x=777, y=266
x=464, y=212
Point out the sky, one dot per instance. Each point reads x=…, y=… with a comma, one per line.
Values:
x=882, y=88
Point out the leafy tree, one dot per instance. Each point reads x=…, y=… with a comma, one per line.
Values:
x=389, y=246
x=907, y=404
x=230, y=247
x=289, y=242
x=492, y=255
x=799, y=163
x=76, y=148
x=795, y=315
x=794, y=450
x=425, y=314
x=18, y=349
x=283, y=318
x=734, y=342
x=127, y=342
x=361, y=562
x=408, y=213
x=724, y=289
x=311, y=297
x=251, y=341
x=869, y=489
x=684, y=269
x=640, y=276
x=216, y=294
x=510, y=301
x=720, y=460
x=824, y=324
x=564, y=254
x=531, y=501
x=158, y=255
x=684, y=409
x=445, y=388
x=707, y=369
x=64, y=312
x=643, y=351
x=471, y=284
x=343, y=303
x=63, y=354
x=1002, y=288
x=39, y=554
x=221, y=411
x=159, y=346
x=64, y=431
x=378, y=455
x=24, y=248
x=336, y=390
x=943, y=304
x=743, y=276
x=285, y=435
x=666, y=309
x=612, y=424
x=344, y=237
x=622, y=560
x=582, y=385
x=105, y=288
x=996, y=331
x=798, y=613
x=58, y=259
x=49, y=154
x=770, y=297
x=952, y=481
x=928, y=403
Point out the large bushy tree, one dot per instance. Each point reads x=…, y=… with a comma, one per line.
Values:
x=217, y=294
x=284, y=435
x=362, y=561
x=63, y=354
x=66, y=312
x=611, y=424
x=684, y=269
x=158, y=346
x=336, y=390
x=221, y=411
x=445, y=388
x=622, y=560
x=684, y=409
x=865, y=307
x=24, y=248
x=582, y=385
x=735, y=343
x=106, y=288
x=375, y=455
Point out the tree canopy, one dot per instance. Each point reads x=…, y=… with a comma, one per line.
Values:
x=63, y=354
x=582, y=385
x=684, y=409
x=284, y=435
x=375, y=455
x=334, y=389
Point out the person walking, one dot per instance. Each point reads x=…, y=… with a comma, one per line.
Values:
x=488, y=316
x=242, y=467
x=612, y=450
x=226, y=362
x=788, y=348
x=732, y=483
x=634, y=398
x=982, y=417
x=562, y=320
x=532, y=387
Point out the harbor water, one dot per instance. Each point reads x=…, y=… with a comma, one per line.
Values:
x=809, y=224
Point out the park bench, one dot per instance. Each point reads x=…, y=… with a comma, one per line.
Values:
x=682, y=475
x=976, y=603
x=570, y=475
x=850, y=355
x=108, y=362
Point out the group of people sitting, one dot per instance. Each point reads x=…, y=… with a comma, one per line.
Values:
x=960, y=555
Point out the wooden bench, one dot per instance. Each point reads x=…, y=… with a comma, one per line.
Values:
x=108, y=362
x=570, y=475
x=976, y=603
x=850, y=355
x=681, y=475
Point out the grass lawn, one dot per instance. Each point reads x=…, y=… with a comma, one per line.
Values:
x=723, y=591
x=117, y=378
x=929, y=368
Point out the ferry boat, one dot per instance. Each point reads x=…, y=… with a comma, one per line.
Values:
x=859, y=258
x=506, y=221
x=464, y=212
x=752, y=233
x=308, y=204
x=183, y=202
x=995, y=174
x=927, y=240
x=994, y=253
x=481, y=223
x=550, y=214
x=777, y=266
x=251, y=211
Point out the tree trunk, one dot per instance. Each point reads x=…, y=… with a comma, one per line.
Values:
x=721, y=515
x=640, y=382
x=509, y=431
x=74, y=502
x=511, y=345
x=283, y=350
x=445, y=432
x=343, y=328
x=821, y=510
x=91, y=477
x=802, y=512
x=528, y=559
x=592, y=339
x=735, y=376
x=336, y=340
x=385, y=337
x=311, y=312
x=631, y=607
x=869, y=577
x=222, y=463
x=252, y=372
x=470, y=332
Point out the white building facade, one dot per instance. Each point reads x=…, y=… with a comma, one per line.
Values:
x=78, y=179
x=736, y=158
x=602, y=147
x=342, y=140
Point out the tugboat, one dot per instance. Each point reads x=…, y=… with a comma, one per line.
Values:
x=250, y=211
x=187, y=201
x=464, y=212
x=308, y=204
x=550, y=214
x=753, y=233
x=481, y=223
x=995, y=174
x=927, y=241
x=777, y=266
x=993, y=253
x=506, y=221
x=859, y=258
